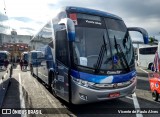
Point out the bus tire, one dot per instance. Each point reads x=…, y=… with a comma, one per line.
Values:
x=155, y=95
x=53, y=84
x=50, y=77
x=150, y=66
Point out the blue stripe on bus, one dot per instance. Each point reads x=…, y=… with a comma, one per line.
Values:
x=71, y=36
x=103, y=78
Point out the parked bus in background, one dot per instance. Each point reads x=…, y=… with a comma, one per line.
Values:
x=4, y=59
x=24, y=60
x=146, y=55
x=34, y=62
x=92, y=55
x=25, y=56
x=44, y=62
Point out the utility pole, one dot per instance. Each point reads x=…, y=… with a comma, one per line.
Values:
x=13, y=36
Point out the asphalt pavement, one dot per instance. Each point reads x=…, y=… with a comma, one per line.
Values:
x=4, y=82
x=27, y=92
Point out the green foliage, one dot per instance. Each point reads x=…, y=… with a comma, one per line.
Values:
x=152, y=40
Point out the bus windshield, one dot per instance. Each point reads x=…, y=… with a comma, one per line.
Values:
x=118, y=34
x=91, y=35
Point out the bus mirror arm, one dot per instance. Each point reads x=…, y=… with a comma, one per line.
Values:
x=142, y=31
x=70, y=28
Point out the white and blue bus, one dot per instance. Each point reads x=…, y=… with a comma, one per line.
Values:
x=4, y=56
x=87, y=55
x=33, y=61
x=25, y=56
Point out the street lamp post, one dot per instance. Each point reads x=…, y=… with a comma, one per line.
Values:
x=13, y=36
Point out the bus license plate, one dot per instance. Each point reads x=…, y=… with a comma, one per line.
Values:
x=116, y=94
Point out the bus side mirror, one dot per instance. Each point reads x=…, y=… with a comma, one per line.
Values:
x=142, y=31
x=70, y=28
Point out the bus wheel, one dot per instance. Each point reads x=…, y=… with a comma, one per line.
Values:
x=53, y=85
x=53, y=90
x=155, y=95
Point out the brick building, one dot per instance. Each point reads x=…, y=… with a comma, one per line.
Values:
x=15, y=45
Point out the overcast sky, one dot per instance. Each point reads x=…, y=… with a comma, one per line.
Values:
x=28, y=16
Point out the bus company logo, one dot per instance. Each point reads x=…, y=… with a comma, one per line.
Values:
x=114, y=72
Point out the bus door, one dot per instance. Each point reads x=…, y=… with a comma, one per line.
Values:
x=62, y=62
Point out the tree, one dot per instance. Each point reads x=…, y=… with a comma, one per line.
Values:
x=152, y=40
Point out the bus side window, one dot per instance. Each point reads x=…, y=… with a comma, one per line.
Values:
x=62, y=46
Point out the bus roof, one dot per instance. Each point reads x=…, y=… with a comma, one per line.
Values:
x=35, y=51
x=4, y=52
x=75, y=9
x=24, y=52
x=90, y=11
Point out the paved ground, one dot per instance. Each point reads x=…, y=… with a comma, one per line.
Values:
x=4, y=82
x=26, y=91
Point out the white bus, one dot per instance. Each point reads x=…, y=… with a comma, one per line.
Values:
x=146, y=55
x=25, y=56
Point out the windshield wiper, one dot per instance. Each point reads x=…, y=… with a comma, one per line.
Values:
x=124, y=39
x=121, y=54
x=101, y=55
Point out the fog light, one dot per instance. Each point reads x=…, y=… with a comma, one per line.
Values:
x=83, y=97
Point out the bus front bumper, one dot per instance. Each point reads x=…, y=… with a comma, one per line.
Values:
x=83, y=95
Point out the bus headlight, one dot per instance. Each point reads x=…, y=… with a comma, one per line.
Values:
x=103, y=85
x=83, y=82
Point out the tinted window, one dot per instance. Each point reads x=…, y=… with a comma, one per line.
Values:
x=118, y=34
x=146, y=51
x=51, y=44
x=62, y=47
